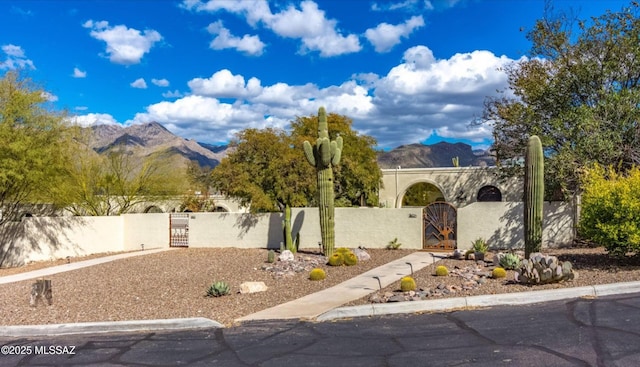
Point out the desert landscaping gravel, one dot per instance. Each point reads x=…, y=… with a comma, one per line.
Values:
x=173, y=284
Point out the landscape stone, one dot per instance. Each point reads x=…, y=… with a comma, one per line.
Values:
x=252, y=287
x=286, y=255
x=362, y=254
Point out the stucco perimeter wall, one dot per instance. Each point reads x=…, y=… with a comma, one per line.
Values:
x=151, y=229
x=47, y=238
x=501, y=224
x=372, y=228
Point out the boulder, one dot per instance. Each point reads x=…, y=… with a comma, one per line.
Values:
x=362, y=254
x=286, y=255
x=252, y=287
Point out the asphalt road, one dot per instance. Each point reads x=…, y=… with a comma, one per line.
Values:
x=581, y=332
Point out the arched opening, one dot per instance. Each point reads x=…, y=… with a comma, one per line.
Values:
x=220, y=209
x=153, y=209
x=489, y=193
x=422, y=194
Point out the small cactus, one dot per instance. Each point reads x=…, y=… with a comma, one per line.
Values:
x=342, y=250
x=509, y=261
x=498, y=273
x=407, y=284
x=336, y=259
x=271, y=256
x=218, y=289
x=350, y=259
x=317, y=274
x=442, y=271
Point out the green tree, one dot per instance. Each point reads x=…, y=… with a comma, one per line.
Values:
x=578, y=91
x=421, y=194
x=200, y=181
x=358, y=176
x=33, y=157
x=117, y=182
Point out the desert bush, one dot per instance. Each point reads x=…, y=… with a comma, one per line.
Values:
x=610, y=213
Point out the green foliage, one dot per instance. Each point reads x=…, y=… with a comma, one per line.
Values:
x=610, y=213
x=407, y=284
x=578, y=91
x=336, y=259
x=317, y=274
x=480, y=245
x=442, y=271
x=357, y=178
x=510, y=261
x=350, y=259
x=36, y=148
x=394, y=245
x=498, y=273
x=533, y=196
x=271, y=256
x=218, y=289
x=421, y=194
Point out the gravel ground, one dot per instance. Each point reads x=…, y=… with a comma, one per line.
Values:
x=169, y=284
x=172, y=284
x=592, y=265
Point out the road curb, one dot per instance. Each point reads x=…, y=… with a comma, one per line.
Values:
x=109, y=327
x=445, y=304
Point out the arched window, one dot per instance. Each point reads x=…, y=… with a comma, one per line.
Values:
x=489, y=193
x=153, y=209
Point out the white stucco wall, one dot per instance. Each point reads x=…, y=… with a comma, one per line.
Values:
x=151, y=229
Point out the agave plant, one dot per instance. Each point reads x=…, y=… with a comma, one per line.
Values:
x=218, y=289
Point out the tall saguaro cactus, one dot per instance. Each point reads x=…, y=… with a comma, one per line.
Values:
x=533, y=196
x=323, y=155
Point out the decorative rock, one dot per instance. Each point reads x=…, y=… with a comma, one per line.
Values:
x=286, y=255
x=252, y=287
x=362, y=254
x=457, y=254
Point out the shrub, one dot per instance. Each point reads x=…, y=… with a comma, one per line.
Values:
x=407, y=284
x=317, y=274
x=509, y=261
x=218, y=289
x=336, y=259
x=499, y=273
x=394, y=245
x=350, y=259
x=442, y=271
x=610, y=207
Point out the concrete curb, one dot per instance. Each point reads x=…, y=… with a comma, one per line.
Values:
x=519, y=298
x=109, y=327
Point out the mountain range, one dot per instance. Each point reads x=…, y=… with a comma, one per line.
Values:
x=144, y=139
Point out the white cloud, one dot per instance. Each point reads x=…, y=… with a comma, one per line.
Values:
x=408, y=5
x=93, y=119
x=160, y=82
x=125, y=45
x=385, y=36
x=172, y=94
x=250, y=45
x=15, y=58
x=308, y=23
x=223, y=84
x=49, y=97
x=81, y=108
x=77, y=73
x=139, y=83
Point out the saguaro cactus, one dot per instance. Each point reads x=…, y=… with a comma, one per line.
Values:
x=323, y=155
x=533, y=196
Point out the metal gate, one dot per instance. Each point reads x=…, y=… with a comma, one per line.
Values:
x=179, y=230
x=440, y=227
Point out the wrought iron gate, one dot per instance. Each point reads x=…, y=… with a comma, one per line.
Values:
x=440, y=227
x=179, y=230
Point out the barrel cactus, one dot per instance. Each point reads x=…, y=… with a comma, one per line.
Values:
x=407, y=284
x=317, y=274
x=323, y=155
x=533, y=196
x=442, y=271
x=498, y=273
x=350, y=259
x=336, y=259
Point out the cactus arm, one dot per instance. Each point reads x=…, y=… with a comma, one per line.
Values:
x=325, y=152
x=335, y=160
x=308, y=153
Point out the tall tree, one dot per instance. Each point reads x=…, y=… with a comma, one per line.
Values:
x=357, y=177
x=578, y=91
x=33, y=154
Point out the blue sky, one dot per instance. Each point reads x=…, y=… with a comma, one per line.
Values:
x=405, y=71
